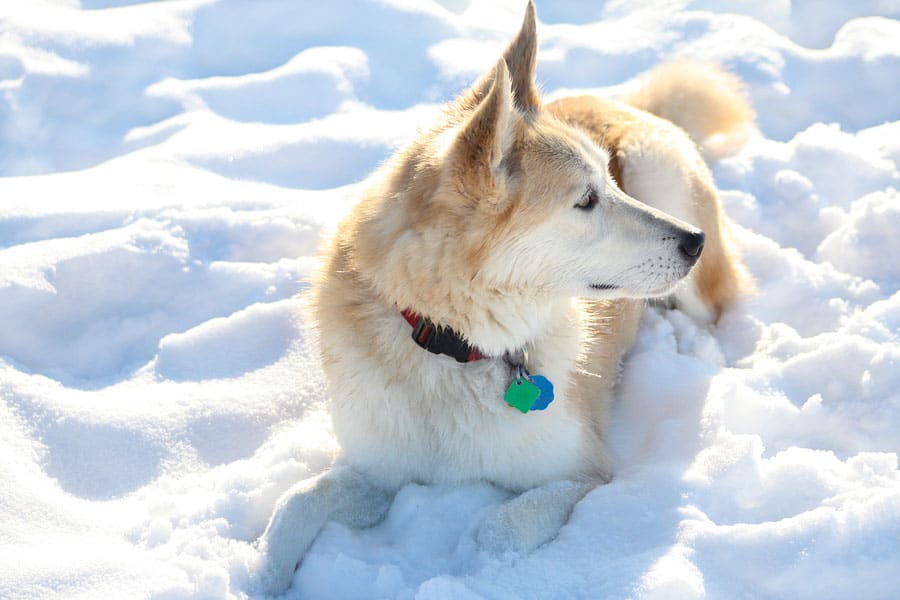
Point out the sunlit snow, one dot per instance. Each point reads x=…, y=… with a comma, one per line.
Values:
x=167, y=171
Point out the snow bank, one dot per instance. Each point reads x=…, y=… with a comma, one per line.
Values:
x=167, y=170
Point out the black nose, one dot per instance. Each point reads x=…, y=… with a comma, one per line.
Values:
x=692, y=244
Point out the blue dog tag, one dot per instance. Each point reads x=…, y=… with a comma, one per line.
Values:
x=546, y=397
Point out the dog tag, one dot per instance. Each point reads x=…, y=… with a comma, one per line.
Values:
x=521, y=394
x=546, y=388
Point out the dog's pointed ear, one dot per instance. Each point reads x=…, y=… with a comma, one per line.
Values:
x=521, y=58
x=484, y=139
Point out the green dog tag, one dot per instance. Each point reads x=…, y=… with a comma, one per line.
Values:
x=521, y=394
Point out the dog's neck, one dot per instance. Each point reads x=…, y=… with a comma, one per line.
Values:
x=434, y=271
x=495, y=322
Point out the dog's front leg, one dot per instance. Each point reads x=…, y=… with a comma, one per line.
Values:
x=531, y=518
x=341, y=494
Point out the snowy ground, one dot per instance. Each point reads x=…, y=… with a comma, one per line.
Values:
x=168, y=169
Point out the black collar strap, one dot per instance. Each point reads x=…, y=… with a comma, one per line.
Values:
x=440, y=340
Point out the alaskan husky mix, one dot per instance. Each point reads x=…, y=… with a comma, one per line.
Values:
x=473, y=308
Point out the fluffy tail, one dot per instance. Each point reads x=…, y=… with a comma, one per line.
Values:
x=705, y=101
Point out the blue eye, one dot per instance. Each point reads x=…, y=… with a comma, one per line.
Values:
x=589, y=200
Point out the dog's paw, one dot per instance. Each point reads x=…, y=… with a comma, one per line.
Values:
x=340, y=495
x=530, y=519
x=500, y=533
x=274, y=572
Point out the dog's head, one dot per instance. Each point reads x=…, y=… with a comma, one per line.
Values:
x=503, y=196
x=561, y=221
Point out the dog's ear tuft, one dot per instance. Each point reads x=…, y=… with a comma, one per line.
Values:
x=483, y=141
x=521, y=58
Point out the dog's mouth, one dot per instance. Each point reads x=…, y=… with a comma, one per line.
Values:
x=628, y=292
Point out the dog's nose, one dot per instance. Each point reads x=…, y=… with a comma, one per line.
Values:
x=692, y=244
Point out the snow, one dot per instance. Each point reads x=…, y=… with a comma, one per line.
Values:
x=167, y=171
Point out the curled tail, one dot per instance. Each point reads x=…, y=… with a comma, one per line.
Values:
x=704, y=100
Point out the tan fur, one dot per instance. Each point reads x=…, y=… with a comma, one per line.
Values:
x=453, y=183
x=461, y=194
x=705, y=101
x=451, y=180
x=492, y=223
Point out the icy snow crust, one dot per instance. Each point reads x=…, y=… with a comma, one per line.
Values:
x=168, y=170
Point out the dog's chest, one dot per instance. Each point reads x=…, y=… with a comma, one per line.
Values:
x=432, y=420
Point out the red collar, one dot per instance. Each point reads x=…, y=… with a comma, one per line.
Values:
x=440, y=340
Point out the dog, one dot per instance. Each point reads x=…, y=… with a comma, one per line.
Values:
x=473, y=308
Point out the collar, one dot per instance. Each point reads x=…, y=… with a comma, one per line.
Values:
x=440, y=340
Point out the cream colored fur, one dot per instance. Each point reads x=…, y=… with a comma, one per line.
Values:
x=508, y=223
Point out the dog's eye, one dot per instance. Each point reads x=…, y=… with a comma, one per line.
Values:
x=589, y=200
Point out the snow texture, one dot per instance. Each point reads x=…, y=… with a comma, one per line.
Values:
x=167, y=171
